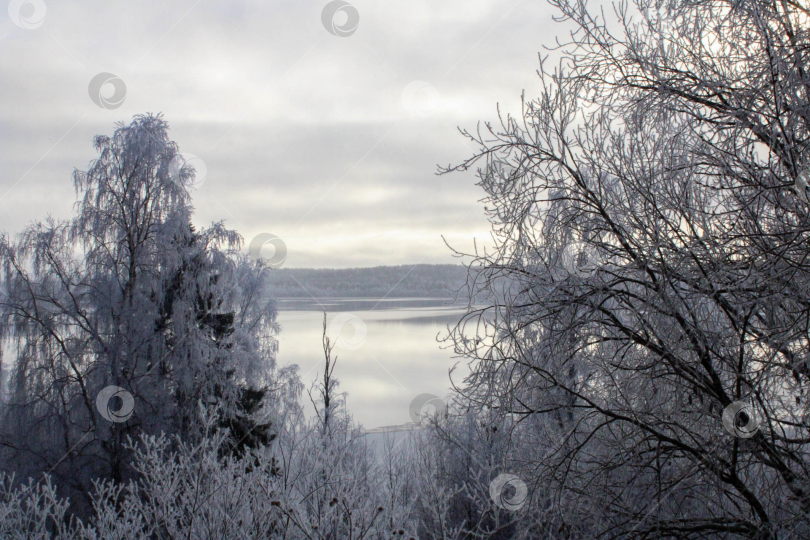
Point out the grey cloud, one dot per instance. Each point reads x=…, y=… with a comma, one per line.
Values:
x=278, y=109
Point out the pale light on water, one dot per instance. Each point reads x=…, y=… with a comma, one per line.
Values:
x=398, y=358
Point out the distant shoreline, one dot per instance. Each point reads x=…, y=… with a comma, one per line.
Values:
x=428, y=281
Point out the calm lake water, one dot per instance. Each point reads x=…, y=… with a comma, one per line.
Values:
x=387, y=350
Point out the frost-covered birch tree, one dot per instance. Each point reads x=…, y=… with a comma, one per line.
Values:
x=128, y=293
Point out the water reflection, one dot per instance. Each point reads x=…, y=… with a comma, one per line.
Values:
x=401, y=355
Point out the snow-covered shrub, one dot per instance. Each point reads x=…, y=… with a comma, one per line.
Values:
x=33, y=511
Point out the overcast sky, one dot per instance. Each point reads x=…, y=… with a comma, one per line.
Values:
x=330, y=142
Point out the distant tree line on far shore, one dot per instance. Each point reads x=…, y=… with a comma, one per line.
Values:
x=420, y=280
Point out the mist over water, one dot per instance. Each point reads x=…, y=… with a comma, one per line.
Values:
x=399, y=358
